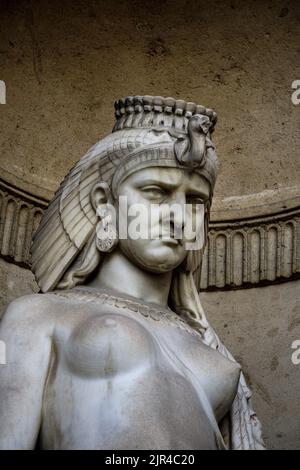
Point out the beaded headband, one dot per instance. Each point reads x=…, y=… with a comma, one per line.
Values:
x=156, y=111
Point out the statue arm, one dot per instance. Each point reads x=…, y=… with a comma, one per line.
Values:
x=27, y=338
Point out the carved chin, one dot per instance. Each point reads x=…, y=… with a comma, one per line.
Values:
x=159, y=259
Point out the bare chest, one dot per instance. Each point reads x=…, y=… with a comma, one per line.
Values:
x=115, y=373
x=121, y=345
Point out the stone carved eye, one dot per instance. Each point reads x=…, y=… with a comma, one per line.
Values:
x=194, y=200
x=154, y=191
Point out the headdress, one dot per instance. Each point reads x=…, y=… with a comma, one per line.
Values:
x=148, y=131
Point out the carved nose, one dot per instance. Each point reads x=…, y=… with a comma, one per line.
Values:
x=177, y=219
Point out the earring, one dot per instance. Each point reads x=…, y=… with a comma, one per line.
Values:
x=106, y=232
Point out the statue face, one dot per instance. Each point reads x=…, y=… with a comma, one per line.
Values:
x=155, y=188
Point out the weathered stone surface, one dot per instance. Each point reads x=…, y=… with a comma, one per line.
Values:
x=64, y=64
x=14, y=282
x=62, y=73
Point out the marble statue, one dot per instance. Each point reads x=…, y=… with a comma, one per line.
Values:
x=116, y=352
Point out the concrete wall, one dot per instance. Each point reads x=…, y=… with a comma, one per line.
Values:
x=64, y=64
x=14, y=282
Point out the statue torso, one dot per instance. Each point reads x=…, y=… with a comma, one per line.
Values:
x=127, y=375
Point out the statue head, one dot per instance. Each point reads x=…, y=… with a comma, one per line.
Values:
x=163, y=211
x=160, y=151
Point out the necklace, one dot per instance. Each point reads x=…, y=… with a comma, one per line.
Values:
x=153, y=313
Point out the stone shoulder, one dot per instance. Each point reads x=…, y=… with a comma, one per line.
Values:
x=30, y=308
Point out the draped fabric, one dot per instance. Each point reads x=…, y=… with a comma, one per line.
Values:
x=241, y=428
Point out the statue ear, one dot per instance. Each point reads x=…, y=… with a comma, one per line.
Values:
x=106, y=228
x=100, y=194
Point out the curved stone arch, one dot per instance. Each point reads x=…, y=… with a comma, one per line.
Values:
x=214, y=261
x=255, y=254
x=37, y=215
x=9, y=212
x=238, y=257
x=22, y=232
x=272, y=238
x=288, y=248
x=220, y=261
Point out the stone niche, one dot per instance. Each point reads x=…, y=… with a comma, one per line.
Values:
x=64, y=65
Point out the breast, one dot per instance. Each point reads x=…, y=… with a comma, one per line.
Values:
x=108, y=345
x=217, y=375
